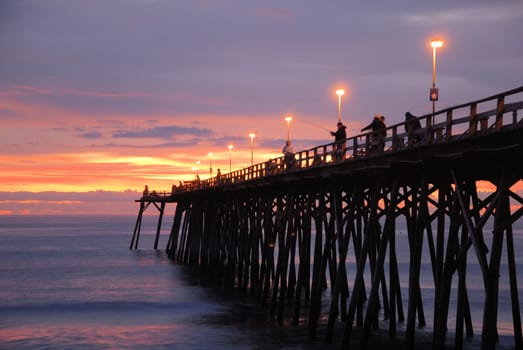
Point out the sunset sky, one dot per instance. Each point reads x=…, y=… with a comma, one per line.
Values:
x=100, y=97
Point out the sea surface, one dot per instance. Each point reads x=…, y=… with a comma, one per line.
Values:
x=72, y=283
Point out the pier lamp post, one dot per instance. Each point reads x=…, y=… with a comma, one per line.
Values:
x=252, y=136
x=210, y=164
x=288, y=120
x=230, y=157
x=197, y=167
x=435, y=43
x=339, y=92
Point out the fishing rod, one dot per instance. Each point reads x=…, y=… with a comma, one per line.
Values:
x=314, y=124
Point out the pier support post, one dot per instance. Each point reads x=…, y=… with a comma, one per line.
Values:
x=137, y=227
x=490, y=310
x=161, y=209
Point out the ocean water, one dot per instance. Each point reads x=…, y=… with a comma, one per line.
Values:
x=72, y=283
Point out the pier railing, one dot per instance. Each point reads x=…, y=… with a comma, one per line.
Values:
x=488, y=115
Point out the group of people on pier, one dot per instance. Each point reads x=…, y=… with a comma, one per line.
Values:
x=377, y=138
x=379, y=132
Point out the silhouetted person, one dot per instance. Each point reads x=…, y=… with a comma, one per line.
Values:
x=340, y=135
x=218, y=176
x=288, y=153
x=411, y=125
x=379, y=132
x=287, y=148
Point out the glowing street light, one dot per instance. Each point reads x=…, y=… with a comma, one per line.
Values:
x=252, y=136
x=339, y=92
x=434, y=91
x=210, y=164
x=230, y=157
x=288, y=120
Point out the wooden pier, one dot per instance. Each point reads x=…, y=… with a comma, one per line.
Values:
x=287, y=234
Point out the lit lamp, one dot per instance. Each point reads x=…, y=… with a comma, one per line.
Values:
x=288, y=120
x=434, y=91
x=210, y=164
x=230, y=157
x=339, y=92
x=252, y=136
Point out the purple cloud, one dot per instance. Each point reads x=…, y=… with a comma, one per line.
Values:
x=163, y=132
